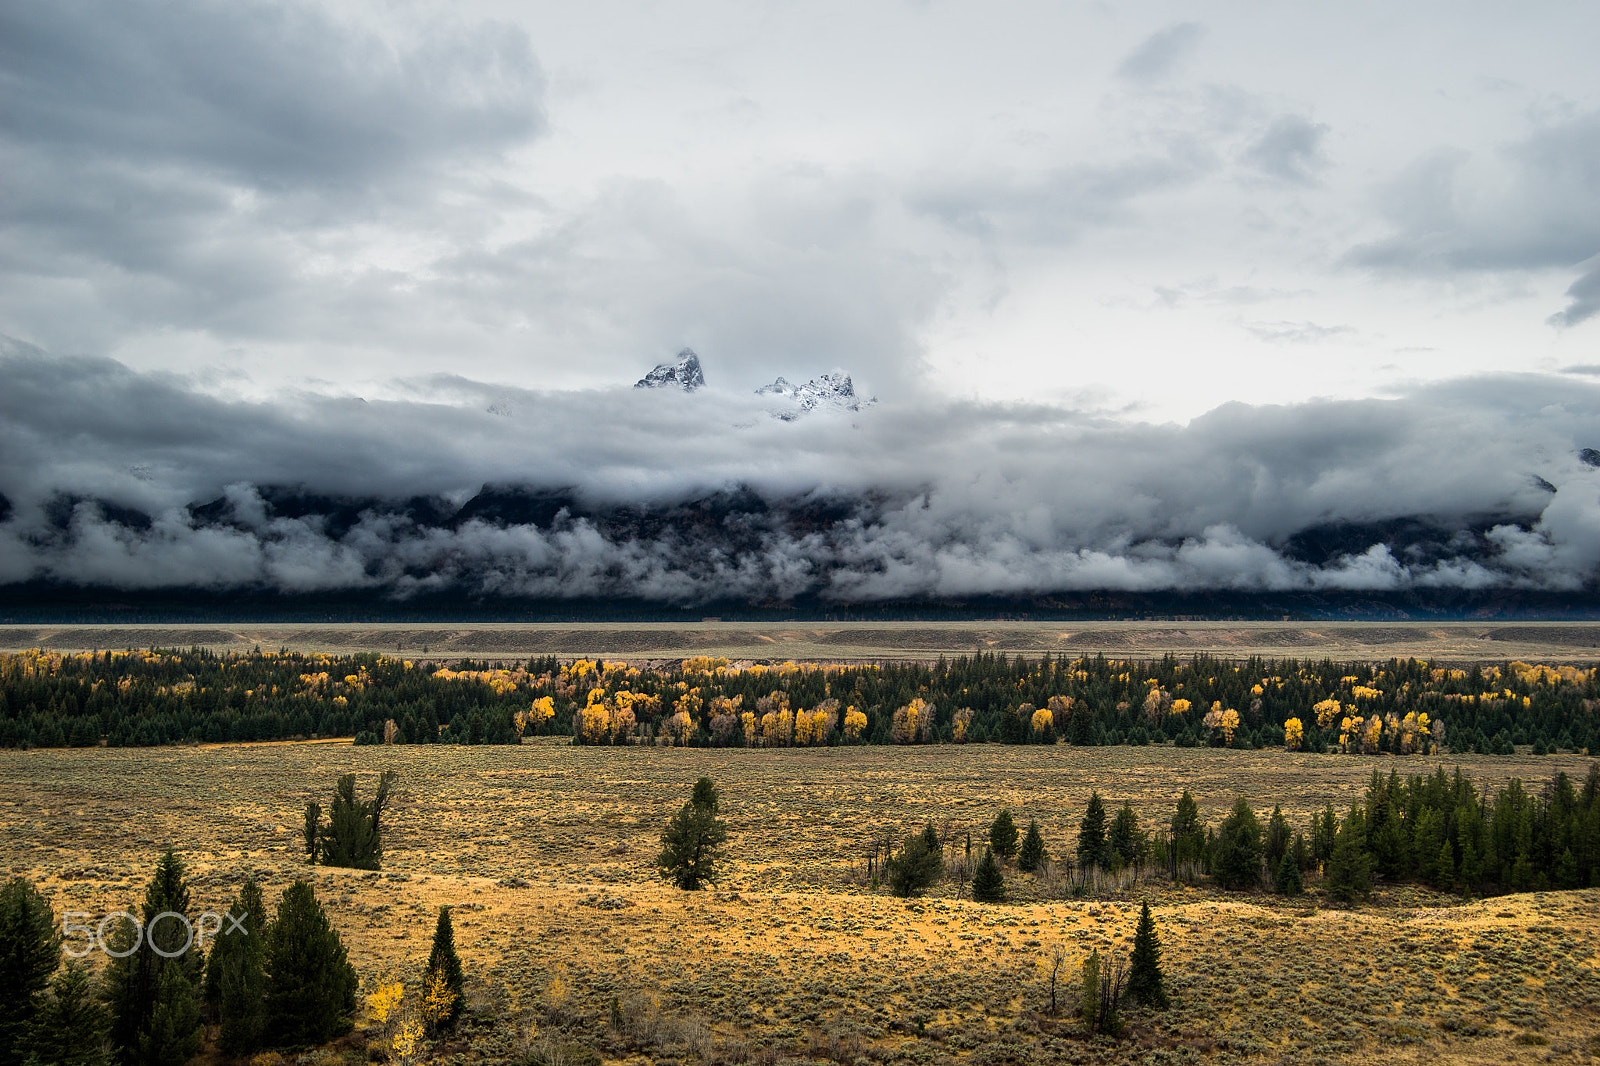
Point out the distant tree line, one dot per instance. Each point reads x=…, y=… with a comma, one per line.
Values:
x=1400, y=707
x=1436, y=829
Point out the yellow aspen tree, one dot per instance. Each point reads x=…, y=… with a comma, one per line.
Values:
x=854, y=723
x=802, y=728
x=1042, y=719
x=1325, y=710
x=437, y=998
x=961, y=721
x=1060, y=708
x=1293, y=734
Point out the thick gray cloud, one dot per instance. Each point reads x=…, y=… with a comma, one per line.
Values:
x=225, y=161
x=939, y=498
x=1584, y=297
x=1529, y=207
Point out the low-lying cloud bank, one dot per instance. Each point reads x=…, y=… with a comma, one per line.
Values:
x=113, y=478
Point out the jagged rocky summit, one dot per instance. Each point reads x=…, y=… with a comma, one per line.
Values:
x=685, y=374
x=833, y=390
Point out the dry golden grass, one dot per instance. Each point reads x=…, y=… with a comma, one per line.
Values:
x=787, y=957
x=1444, y=641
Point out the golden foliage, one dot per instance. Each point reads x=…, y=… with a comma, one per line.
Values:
x=854, y=723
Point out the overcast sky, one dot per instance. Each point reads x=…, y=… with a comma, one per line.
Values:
x=1143, y=208
x=1144, y=290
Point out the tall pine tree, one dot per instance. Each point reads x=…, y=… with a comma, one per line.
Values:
x=689, y=846
x=987, y=884
x=30, y=951
x=444, y=966
x=1236, y=857
x=235, y=975
x=1003, y=834
x=1092, y=833
x=1031, y=855
x=1145, y=981
x=132, y=983
x=173, y=1037
x=72, y=1027
x=310, y=990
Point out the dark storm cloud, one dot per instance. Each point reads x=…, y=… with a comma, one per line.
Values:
x=939, y=498
x=1159, y=55
x=189, y=164
x=281, y=97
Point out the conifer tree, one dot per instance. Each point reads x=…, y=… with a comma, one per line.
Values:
x=1236, y=857
x=1349, y=871
x=1188, y=838
x=689, y=843
x=235, y=977
x=173, y=1037
x=1125, y=842
x=310, y=989
x=1145, y=982
x=917, y=866
x=1278, y=839
x=30, y=951
x=1092, y=833
x=1003, y=834
x=1287, y=881
x=353, y=836
x=706, y=795
x=987, y=884
x=1031, y=855
x=444, y=962
x=72, y=1027
x=132, y=983
x=1089, y=994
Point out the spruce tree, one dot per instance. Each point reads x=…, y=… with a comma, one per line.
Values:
x=1145, y=982
x=1278, y=839
x=1031, y=855
x=1089, y=994
x=1092, y=833
x=987, y=884
x=443, y=961
x=310, y=989
x=173, y=1037
x=1125, y=842
x=132, y=984
x=1236, y=858
x=1349, y=871
x=917, y=866
x=1287, y=882
x=706, y=795
x=1003, y=834
x=689, y=844
x=235, y=977
x=72, y=1027
x=30, y=951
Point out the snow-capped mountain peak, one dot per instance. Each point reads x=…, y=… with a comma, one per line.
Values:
x=685, y=374
x=834, y=390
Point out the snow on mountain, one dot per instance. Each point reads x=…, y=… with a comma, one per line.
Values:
x=685, y=374
x=833, y=390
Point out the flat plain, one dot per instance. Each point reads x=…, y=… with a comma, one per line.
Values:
x=546, y=851
x=1454, y=642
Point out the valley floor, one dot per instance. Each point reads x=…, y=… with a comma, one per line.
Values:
x=546, y=852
